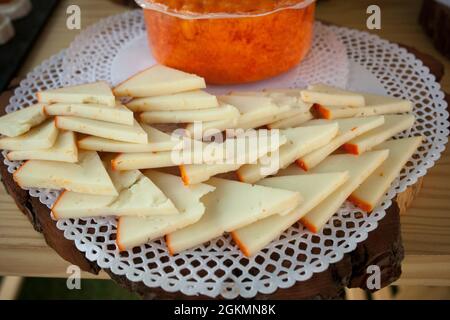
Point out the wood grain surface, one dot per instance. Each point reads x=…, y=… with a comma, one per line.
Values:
x=425, y=226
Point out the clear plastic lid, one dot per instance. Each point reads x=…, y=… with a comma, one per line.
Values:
x=235, y=10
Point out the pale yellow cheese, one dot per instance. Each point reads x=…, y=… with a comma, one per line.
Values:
x=87, y=176
x=142, y=198
x=191, y=100
x=348, y=130
x=159, y=80
x=134, y=231
x=19, y=122
x=295, y=120
x=196, y=173
x=200, y=130
x=330, y=96
x=97, y=92
x=156, y=141
x=358, y=168
x=393, y=125
x=313, y=188
x=255, y=111
x=108, y=130
x=193, y=152
x=40, y=137
x=64, y=150
x=117, y=114
x=223, y=112
x=375, y=105
x=231, y=206
x=301, y=141
x=369, y=194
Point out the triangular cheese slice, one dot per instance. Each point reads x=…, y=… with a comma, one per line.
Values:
x=231, y=206
x=87, y=176
x=330, y=96
x=191, y=100
x=40, y=137
x=301, y=141
x=97, y=92
x=156, y=141
x=358, y=168
x=108, y=130
x=223, y=112
x=369, y=194
x=348, y=130
x=64, y=150
x=195, y=173
x=159, y=80
x=375, y=105
x=255, y=111
x=141, y=199
x=292, y=121
x=393, y=125
x=117, y=114
x=18, y=122
x=313, y=188
x=134, y=231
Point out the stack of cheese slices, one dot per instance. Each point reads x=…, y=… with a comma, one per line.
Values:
x=110, y=158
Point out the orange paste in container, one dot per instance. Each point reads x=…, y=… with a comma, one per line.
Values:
x=229, y=41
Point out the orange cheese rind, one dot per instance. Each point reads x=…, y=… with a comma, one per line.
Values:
x=351, y=148
x=302, y=164
x=311, y=227
x=184, y=175
x=239, y=243
x=53, y=209
x=169, y=246
x=322, y=111
x=17, y=171
x=367, y=207
x=120, y=246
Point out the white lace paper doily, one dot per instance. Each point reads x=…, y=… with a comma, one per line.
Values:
x=218, y=268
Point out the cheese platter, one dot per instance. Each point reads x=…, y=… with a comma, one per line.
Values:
x=159, y=85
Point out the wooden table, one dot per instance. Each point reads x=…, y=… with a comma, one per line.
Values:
x=425, y=227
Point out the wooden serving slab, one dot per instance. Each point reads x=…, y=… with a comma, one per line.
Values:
x=383, y=246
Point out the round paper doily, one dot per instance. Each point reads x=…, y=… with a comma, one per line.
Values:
x=218, y=268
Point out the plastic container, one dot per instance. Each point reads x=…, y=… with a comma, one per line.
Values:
x=230, y=41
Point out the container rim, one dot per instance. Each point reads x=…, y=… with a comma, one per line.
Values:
x=150, y=5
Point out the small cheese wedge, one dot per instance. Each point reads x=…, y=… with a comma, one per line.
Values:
x=64, y=150
x=375, y=105
x=157, y=141
x=359, y=169
x=292, y=121
x=40, y=137
x=117, y=114
x=393, y=125
x=330, y=96
x=348, y=130
x=134, y=231
x=19, y=122
x=313, y=188
x=87, y=176
x=255, y=111
x=143, y=198
x=97, y=92
x=369, y=194
x=191, y=100
x=223, y=112
x=231, y=206
x=159, y=80
x=113, y=131
x=196, y=173
x=301, y=140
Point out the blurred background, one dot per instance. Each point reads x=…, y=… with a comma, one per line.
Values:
x=43, y=23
